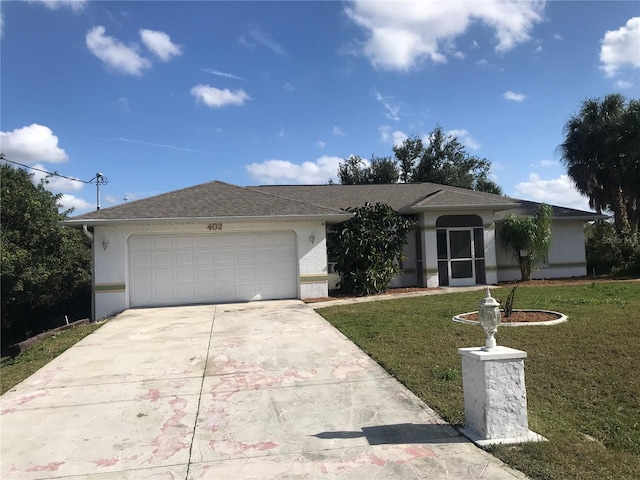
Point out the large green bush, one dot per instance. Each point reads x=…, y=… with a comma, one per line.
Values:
x=608, y=253
x=46, y=268
x=368, y=248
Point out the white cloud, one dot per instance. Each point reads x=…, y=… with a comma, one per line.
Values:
x=465, y=138
x=558, y=37
x=75, y=5
x=123, y=104
x=114, y=53
x=320, y=144
x=288, y=87
x=55, y=184
x=274, y=172
x=391, y=109
x=282, y=133
x=78, y=204
x=265, y=40
x=160, y=44
x=620, y=48
x=338, y=131
x=216, y=98
x=624, y=84
x=31, y=144
x=395, y=137
x=246, y=43
x=556, y=191
x=402, y=38
x=223, y=74
x=513, y=96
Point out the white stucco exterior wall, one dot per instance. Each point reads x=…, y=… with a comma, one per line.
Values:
x=567, y=256
x=111, y=272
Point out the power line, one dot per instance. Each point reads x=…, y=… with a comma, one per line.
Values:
x=101, y=178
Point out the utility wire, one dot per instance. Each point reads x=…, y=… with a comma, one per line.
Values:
x=103, y=180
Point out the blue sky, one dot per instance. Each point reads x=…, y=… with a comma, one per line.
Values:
x=159, y=96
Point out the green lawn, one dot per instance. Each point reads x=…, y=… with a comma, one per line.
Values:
x=582, y=377
x=27, y=363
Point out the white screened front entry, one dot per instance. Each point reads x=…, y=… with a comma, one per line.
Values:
x=209, y=268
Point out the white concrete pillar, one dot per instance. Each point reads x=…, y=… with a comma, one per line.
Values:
x=495, y=398
x=490, y=262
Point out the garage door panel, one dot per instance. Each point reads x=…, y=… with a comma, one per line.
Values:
x=141, y=260
x=225, y=292
x=162, y=259
x=185, y=241
x=204, y=258
x=203, y=241
x=184, y=258
x=162, y=242
x=225, y=274
x=205, y=276
x=140, y=243
x=246, y=273
x=182, y=276
x=162, y=276
x=203, y=268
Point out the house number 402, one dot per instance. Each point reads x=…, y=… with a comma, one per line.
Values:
x=214, y=226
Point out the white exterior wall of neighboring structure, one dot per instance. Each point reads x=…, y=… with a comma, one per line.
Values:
x=567, y=256
x=111, y=266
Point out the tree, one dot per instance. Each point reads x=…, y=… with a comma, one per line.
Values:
x=367, y=248
x=354, y=171
x=445, y=160
x=601, y=151
x=45, y=266
x=442, y=160
x=608, y=253
x=528, y=238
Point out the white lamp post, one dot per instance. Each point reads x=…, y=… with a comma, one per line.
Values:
x=489, y=317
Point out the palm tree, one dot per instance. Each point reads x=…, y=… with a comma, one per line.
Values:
x=528, y=238
x=600, y=152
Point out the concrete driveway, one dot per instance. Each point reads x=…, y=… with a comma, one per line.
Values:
x=264, y=390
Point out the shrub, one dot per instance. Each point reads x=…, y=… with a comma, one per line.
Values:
x=367, y=248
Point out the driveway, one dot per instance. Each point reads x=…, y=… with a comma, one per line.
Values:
x=264, y=390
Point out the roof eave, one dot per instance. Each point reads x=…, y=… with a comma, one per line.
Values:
x=94, y=222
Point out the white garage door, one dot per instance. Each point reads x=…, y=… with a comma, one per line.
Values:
x=184, y=269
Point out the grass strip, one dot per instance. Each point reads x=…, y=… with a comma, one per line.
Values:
x=14, y=371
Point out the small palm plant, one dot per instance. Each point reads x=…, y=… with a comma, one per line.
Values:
x=528, y=238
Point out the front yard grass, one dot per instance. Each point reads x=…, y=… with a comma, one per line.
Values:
x=582, y=377
x=15, y=370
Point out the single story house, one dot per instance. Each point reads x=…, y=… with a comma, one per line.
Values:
x=218, y=242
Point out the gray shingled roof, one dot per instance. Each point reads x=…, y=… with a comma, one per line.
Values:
x=528, y=208
x=222, y=200
x=402, y=197
x=208, y=200
x=415, y=197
